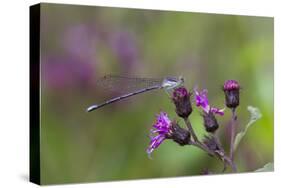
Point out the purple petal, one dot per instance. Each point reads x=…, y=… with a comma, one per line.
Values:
x=202, y=100
x=218, y=111
x=231, y=85
x=154, y=143
x=160, y=129
x=163, y=121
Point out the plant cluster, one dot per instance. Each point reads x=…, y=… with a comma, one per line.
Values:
x=166, y=129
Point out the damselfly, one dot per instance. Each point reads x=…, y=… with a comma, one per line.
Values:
x=167, y=84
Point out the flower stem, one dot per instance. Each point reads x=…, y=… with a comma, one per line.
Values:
x=202, y=146
x=187, y=122
x=231, y=163
x=222, y=156
x=232, y=127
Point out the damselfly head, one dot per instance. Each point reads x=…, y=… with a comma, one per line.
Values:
x=181, y=79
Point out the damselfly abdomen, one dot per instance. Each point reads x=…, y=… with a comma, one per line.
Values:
x=168, y=84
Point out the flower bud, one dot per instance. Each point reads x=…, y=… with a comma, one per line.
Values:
x=179, y=135
x=212, y=143
x=181, y=99
x=231, y=90
x=210, y=122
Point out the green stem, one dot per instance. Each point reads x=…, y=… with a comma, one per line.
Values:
x=187, y=122
x=202, y=146
x=232, y=136
x=222, y=156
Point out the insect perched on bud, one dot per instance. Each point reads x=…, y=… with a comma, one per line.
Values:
x=181, y=99
x=231, y=90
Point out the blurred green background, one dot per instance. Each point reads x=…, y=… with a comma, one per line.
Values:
x=80, y=44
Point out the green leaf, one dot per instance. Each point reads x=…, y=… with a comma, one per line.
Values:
x=266, y=168
x=255, y=115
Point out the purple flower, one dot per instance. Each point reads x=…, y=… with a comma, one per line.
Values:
x=60, y=73
x=80, y=41
x=125, y=47
x=202, y=100
x=161, y=130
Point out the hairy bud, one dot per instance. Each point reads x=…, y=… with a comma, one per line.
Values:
x=181, y=99
x=231, y=90
x=212, y=143
x=179, y=135
x=210, y=122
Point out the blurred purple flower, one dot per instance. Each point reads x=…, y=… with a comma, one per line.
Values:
x=64, y=72
x=162, y=129
x=80, y=40
x=202, y=101
x=125, y=47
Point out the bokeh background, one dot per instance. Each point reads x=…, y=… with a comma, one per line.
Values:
x=80, y=44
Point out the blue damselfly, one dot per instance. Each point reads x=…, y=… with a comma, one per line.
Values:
x=149, y=84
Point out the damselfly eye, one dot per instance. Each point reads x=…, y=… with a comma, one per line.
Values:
x=171, y=79
x=182, y=79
